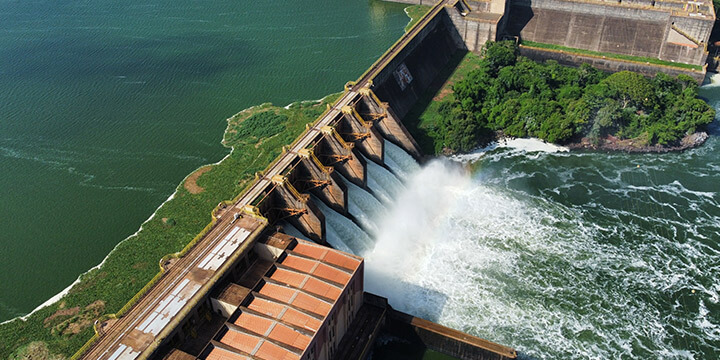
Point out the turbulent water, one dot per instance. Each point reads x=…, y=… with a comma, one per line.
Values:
x=576, y=255
x=105, y=106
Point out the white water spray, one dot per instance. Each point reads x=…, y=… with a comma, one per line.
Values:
x=341, y=232
x=364, y=206
x=382, y=182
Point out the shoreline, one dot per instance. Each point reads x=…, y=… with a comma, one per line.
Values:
x=612, y=144
x=57, y=297
x=691, y=141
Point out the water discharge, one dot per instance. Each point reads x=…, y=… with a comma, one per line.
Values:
x=364, y=206
x=562, y=255
x=397, y=159
x=382, y=182
x=343, y=233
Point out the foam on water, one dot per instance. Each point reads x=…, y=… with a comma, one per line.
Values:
x=575, y=256
x=524, y=145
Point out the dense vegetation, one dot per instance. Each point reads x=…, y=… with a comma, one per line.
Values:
x=256, y=136
x=519, y=97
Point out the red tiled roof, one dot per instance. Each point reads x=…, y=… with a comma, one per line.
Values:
x=308, y=250
x=330, y=273
x=269, y=351
x=253, y=323
x=289, y=336
x=277, y=292
x=325, y=254
x=341, y=260
x=288, y=277
x=301, y=320
x=240, y=341
x=298, y=295
x=220, y=354
x=298, y=263
x=322, y=288
x=266, y=307
x=309, y=303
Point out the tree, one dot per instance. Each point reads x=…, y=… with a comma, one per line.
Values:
x=556, y=103
x=500, y=54
x=630, y=88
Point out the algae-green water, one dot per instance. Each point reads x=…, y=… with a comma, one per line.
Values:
x=105, y=106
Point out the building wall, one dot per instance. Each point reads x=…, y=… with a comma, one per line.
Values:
x=610, y=28
x=324, y=343
x=473, y=33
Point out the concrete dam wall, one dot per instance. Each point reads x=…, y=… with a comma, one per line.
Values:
x=413, y=68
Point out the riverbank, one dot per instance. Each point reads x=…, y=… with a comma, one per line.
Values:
x=612, y=143
x=480, y=100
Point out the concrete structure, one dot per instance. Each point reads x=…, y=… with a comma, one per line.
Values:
x=358, y=123
x=670, y=30
x=303, y=299
x=676, y=31
x=294, y=299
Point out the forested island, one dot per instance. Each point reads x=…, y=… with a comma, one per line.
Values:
x=506, y=95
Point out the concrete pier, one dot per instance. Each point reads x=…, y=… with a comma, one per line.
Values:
x=354, y=129
x=332, y=150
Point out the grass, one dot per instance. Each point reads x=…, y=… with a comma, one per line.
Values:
x=415, y=12
x=638, y=59
x=134, y=262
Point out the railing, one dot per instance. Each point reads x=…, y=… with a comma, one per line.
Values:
x=139, y=295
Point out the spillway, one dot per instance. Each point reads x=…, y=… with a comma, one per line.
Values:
x=364, y=207
x=342, y=233
x=382, y=182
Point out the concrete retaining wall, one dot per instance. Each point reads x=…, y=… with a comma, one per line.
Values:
x=648, y=32
x=611, y=65
x=443, y=339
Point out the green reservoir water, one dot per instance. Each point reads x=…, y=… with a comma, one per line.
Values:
x=105, y=106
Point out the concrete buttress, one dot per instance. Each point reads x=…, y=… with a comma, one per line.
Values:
x=321, y=181
x=333, y=151
x=298, y=210
x=388, y=124
x=353, y=128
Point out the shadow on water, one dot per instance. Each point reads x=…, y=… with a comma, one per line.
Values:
x=423, y=135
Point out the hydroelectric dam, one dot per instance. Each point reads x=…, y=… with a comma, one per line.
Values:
x=246, y=290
